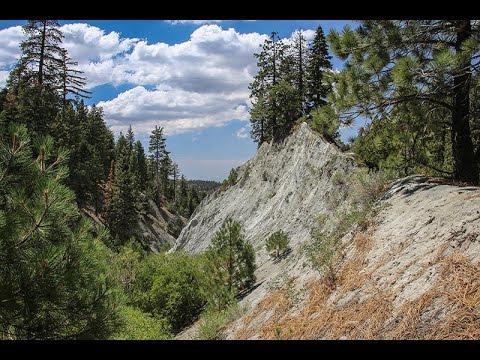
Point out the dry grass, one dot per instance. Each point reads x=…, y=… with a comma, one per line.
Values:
x=358, y=308
x=319, y=318
x=460, y=285
x=406, y=324
x=273, y=307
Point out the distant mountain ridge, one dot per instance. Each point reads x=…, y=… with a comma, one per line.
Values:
x=207, y=186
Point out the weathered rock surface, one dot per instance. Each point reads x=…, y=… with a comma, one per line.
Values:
x=413, y=273
x=153, y=225
x=283, y=187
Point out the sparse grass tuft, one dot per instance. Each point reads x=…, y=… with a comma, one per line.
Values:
x=213, y=321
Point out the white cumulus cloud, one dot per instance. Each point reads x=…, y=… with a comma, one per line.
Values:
x=242, y=133
x=86, y=43
x=199, y=83
x=176, y=110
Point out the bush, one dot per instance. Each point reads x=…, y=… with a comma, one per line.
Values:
x=277, y=244
x=127, y=263
x=230, y=181
x=170, y=286
x=326, y=122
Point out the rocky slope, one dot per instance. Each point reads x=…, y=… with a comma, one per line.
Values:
x=414, y=273
x=284, y=186
x=154, y=224
x=411, y=271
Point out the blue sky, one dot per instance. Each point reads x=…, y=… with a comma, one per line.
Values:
x=191, y=77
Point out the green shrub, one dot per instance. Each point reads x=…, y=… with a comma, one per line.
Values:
x=368, y=186
x=127, y=263
x=230, y=181
x=170, y=286
x=277, y=244
x=326, y=122
x=339, y=178
x=233, y=256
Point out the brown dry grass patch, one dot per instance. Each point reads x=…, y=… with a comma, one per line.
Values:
x=460, y=285
x=274, y=306
x=357, y=308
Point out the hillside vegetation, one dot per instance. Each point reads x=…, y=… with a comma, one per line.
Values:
x=312, y=238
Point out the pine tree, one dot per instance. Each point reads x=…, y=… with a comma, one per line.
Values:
x=176, y=174
x=122, y=215
x=300, y=56
x=276, y=98
x=165, y=172
x=157, y=147
x=430, y=62
x=90, y=143
x=130, y=138
x=54, y=278
x=71, y=80
x=193, y=200
x=182, y=201
x=269, y=74
x=277, y=244
x=234, y=256
x=42, y=78
x=41, y=56
x=141, y=173
x=259, y=114
x=318, y=64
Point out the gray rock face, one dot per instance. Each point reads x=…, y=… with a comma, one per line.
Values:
x=422, y=224
x=419, y=265
x=283, y=187
x=153, y=226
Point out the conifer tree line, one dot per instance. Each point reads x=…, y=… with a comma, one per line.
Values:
x=414, y=82
x=45, y=92
x=290, y=84
x=135, y=178
x=62, y=276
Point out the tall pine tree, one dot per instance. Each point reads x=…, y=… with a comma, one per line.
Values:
x=430, y=62
x=318, y=64
x=122, y=215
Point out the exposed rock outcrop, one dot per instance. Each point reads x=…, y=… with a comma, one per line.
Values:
x=154, y=224
x=283, y=187
x=412, y=272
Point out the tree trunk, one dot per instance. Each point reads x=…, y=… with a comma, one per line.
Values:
x=465, y=167
x=42, y=53
x=174, y=185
